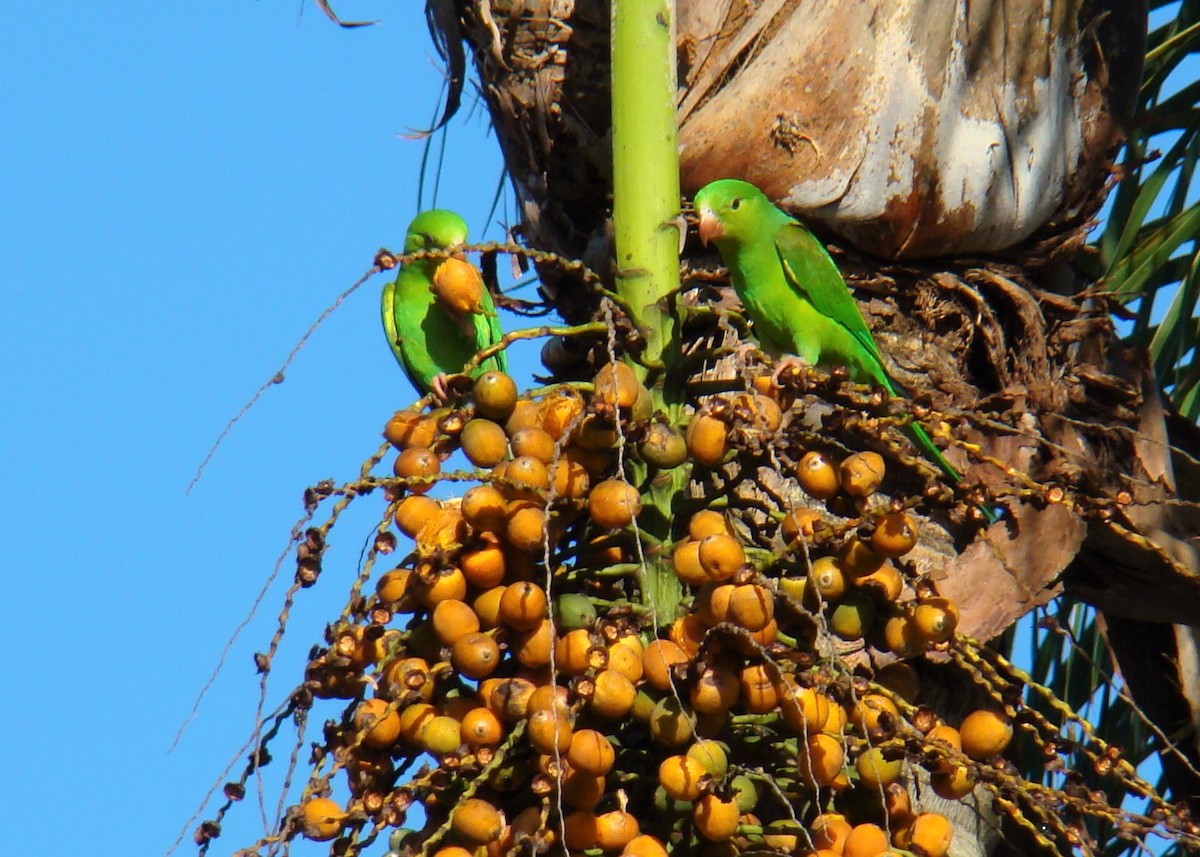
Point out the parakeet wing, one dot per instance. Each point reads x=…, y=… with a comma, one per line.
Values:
x=813, y=274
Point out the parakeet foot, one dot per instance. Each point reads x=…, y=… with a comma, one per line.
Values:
x=449, y=388
x=788, y=364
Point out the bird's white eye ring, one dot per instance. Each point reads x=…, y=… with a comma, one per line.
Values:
x=736, y=202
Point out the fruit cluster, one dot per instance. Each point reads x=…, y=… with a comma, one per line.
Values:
x=598, y=644
x=565, y=648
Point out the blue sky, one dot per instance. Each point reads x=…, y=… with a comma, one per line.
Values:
x=184, y=188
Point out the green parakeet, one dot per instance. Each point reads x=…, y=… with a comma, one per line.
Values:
x=431, y=333
x=794, y=293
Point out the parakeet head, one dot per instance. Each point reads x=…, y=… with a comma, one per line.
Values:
x=731, y=211
x=436, y=229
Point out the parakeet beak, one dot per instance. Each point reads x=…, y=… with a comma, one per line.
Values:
x=710, y=228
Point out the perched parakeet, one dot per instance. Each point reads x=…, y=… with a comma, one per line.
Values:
x=793, y=291
x=437, y=314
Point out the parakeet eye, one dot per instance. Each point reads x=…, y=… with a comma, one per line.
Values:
x=736, y=202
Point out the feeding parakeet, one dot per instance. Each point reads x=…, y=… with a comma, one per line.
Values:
x=437, y=313
x=794, y=293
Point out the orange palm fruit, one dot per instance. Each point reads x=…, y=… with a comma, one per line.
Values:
x=458, y=286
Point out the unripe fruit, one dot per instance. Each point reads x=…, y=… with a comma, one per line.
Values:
x=818, y=475
x=852, y=616
x=321, y=819
x=670, y=725
x=477, y=821
x=484, y=443
x=711, y=755
x=442, y=735
x=707, y=440
x=745, y=792
x=862, y=474
x=573, y=611
x=495, y=395
x=663, y=447
x=614, y=504
x=895, y=535
x=420, y=464
x=985, y=734
x=875, y=771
